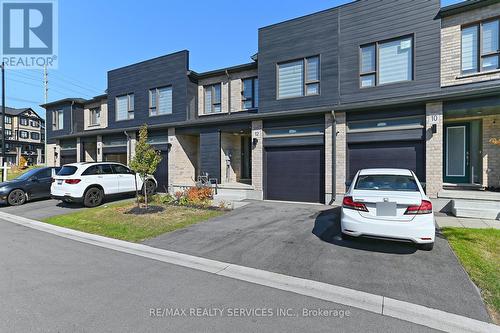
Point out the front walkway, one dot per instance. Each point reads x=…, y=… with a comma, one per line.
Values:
x=463, y=222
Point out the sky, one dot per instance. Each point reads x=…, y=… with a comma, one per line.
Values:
x=99, y=35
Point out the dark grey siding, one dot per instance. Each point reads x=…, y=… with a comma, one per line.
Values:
x=76, y=119
x=169, y=70
x=369, y=21
x=210, y=154
x=306, y=36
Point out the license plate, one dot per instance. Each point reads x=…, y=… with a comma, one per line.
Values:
x=59, y=181
x=386, y=208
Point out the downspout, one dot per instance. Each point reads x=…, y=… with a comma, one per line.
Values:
x=334, y=158
x=129, y=147
x=228, y=92
x=71, y=117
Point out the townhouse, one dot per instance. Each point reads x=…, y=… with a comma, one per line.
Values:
x=24, y=136
x=393, y=83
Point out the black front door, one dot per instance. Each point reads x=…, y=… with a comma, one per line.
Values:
x=246, y=157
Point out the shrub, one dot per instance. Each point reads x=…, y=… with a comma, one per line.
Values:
x=197, y=194
x=23, y=163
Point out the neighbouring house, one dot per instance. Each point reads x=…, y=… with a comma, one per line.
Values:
x=24, y=136
x=406, y=84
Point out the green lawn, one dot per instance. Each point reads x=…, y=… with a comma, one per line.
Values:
x=111, y=221
x=15, y=172
x=479, y=253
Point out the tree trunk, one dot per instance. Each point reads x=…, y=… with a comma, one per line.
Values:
x=145, y=194
x=136, y=191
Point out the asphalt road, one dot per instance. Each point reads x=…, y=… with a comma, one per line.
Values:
x=304, y=241
x=53, y=284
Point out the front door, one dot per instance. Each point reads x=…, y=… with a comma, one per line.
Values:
x=457, y=154
x=246, y=157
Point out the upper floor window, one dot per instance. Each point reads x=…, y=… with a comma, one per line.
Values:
x=299, y=78
x=125, y=107
x=57, y=120
x=160, y=101
x=386, y=62
x=35, y=123
x=23, y=134
x=8, y=133
x=250, y=93
x=35, y=135
x=23, y=121
x=8, y=119
x=480, y=47
x=213, y=98
x=94, y=116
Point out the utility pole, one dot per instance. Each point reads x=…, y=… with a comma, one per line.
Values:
x=46, y=99
x=45, y=83
x=3, y=110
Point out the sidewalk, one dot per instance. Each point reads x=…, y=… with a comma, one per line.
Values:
x=463, y=222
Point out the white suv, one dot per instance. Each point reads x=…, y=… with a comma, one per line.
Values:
x=90, y=183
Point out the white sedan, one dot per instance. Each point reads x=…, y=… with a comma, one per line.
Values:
x=388, y=204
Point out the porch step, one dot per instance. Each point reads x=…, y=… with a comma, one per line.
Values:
x=480, y=209
x=469, y=195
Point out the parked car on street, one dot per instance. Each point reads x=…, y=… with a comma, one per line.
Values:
x=33, y=184
x=91, y=183
x=388, y=204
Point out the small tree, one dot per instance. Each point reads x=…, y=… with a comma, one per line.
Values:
x=22, y=162
x=146, y=159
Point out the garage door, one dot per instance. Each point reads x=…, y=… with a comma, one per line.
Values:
x=402, y=154
x=295, y=173
x=115, y=157
x=161, y=174
x=68, y=159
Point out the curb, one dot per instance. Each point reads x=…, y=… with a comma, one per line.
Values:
x=382, y=305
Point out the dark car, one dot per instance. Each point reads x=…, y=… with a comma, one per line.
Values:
x=34, y=184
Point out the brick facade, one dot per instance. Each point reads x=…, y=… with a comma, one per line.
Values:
x=182, y=158
x=491, y=152
x=340, y=153
x=433, y=149
x=451, y=46
x=257, y=156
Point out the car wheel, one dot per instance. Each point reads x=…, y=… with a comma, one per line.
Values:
x=426, y=246
x=16, y=197
x=150, y=187
x=93, y=197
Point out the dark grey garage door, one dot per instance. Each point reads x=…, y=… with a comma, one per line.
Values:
x=67, y=159
x=295, y=173
x=401, y=154
x=161, y=174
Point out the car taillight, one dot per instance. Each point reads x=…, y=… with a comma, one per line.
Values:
x=351, y=204
x=72, y=181
x=424, y=208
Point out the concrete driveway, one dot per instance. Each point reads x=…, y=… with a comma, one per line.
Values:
x=304, y=241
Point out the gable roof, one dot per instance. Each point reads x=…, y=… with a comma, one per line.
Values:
x=17, y=112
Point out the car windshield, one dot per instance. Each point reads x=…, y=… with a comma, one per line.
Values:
x=386, y=183
x=67, y=170
x=27, y=174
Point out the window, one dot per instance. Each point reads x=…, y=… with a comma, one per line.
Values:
x=386, y=62
x=8, y=119
x=99, y=169
x=213, y=98
x=480, y=47
x=120, y=169
x=23, y=134
x=35, y=135
x=23, y=121
x=94, y=116
x=160, y=101
x=125, y=107
x=34, y=123
x=67, y=170
x=387, y=183
x=8, y=133
x=44, y=173
x=299, y=78
x=250, y=93
x=57, y=120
